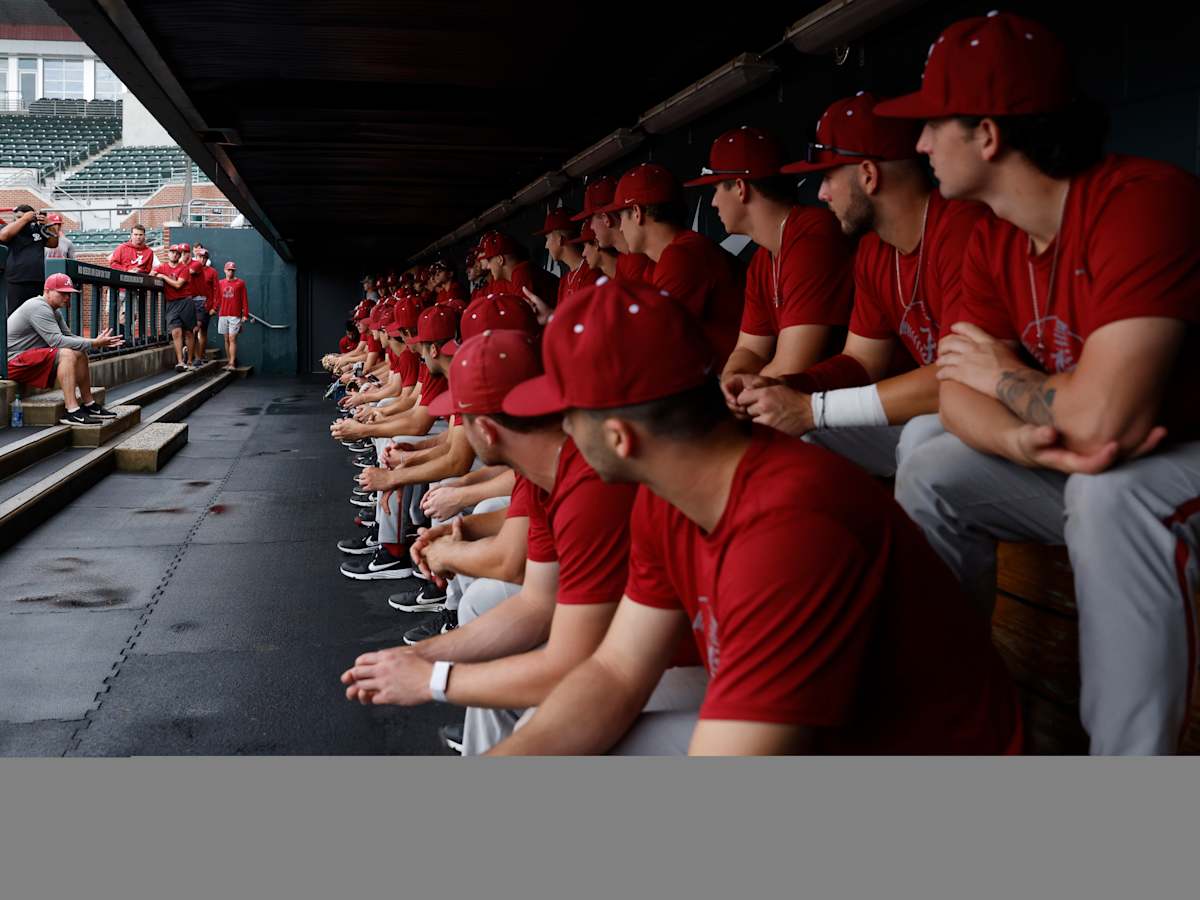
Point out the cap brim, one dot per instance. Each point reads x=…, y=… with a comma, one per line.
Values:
x=449, y=348
x=711, y=179
x=443, y=404
x=66, y=290
x=579, y=217
x=805, y=168
x=535, y=397
x=911, y=106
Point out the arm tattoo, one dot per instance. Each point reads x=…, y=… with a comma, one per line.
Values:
x=1025, y=393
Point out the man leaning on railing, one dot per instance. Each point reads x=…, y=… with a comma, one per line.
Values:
x=41, y=351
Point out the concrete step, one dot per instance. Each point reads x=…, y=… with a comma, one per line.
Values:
x=243, y=371
x=149, y=449
x=147, y=395
x=47, y=408
x=212, y=353
x=8, y=390
x=97, y=435
x=21, y=454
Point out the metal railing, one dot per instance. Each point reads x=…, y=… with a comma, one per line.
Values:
x=13, y=102
x=130, y=304
x=3, y=311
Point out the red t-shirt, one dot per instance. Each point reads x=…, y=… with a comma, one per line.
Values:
x=635, y=267
x=431, y=386
x=393, y=360
x=234, y=302
x=176, y=271
x=815, y=284
x=583, y=524
x=211, y=292
x=884, y=310
x=347, y=343
x=410, y=366
x=518, y=506
x=1128, y=247
x=373, y=345
x=540, y=282
x=577, y=280
x=196, y=283
x=709, y=282
x=815, y=601
x=133, y=259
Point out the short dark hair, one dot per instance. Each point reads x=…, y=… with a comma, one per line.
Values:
x=671, y=213
x=780, y=188
x=521, y=424
x=1061, y=143
x=138, y=226
x=684, y=416
x=23, y=208
x=351, y=328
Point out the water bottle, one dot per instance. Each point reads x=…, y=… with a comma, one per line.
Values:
x=18, y=415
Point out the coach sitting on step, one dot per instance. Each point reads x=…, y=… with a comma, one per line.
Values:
x=41, y=350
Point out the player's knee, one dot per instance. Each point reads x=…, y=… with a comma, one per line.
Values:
x=928, y=468
x=68, y=357
x=1101, y=501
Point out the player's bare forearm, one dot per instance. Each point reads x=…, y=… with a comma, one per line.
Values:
x=1028, y=395
x=587, y=713
x=910, y=395
x=515, y=626
x=981, y=422
x=486, y=473
x=500, y=486
x=478, y=526
x=743, y=361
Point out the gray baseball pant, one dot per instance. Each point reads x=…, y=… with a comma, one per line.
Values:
x=1133, y=536
x=876, y=448
x=390, y=523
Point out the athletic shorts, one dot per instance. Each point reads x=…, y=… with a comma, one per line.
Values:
x=34, y=368
x=229, y=325
x=181, y=314
x=202, y=313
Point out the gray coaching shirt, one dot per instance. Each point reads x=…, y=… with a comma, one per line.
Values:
x=35, y=324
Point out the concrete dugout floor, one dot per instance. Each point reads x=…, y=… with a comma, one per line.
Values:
x=200, y=610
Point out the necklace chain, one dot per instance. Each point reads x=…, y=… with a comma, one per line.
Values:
x=1029, y=254
x=920, y=256
x=777, y=263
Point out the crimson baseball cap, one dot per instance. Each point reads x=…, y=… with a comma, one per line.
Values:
x=497, y=243
x=587, y=367
x=53, y=219
x=645, y=185
x=495, y=312
x=407, y=314
x=597, y=195
x=850, y=131
x=586, y=233
x=746, y=153
x=485, y=369
x=60, y=282
x=994, y=65
x=186, y=248
x=559, y=219
x=436, y=325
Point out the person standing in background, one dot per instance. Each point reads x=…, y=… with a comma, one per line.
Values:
x=206, y=302
x=25, y=271
x=233, y=311
x=66, y=247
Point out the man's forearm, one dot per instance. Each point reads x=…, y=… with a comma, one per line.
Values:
x=588, y=712
x=444, y=465
x=488, y=557
x=515, y=626
x=510, y=682
x=912, y=394
x=981, y=422
x=500, y=486
x=487, y=473
x=743, y=361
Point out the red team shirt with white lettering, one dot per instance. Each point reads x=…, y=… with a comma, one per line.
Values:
x=855, y=627
x=815, y=284
x=583, y=525
x=233, y=300
x=1128, y=247
x=884, y=310
x=134, y=259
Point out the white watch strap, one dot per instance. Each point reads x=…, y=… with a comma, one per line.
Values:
x=439, y=679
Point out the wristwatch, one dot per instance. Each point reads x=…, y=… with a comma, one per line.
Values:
x=439, y=679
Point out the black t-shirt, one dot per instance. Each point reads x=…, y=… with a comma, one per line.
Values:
x=25, y=251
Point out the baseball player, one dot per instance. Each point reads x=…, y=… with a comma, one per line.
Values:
x=907, y=276
x=619, y=261
x=826, y=623
x=1091, y=270
x=799, y=284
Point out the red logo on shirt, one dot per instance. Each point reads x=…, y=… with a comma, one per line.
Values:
x=919, y=331
x=1063, y=347
x=706, y=623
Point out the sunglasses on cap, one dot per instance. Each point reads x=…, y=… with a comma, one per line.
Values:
x=705, y=170
x=814, y=151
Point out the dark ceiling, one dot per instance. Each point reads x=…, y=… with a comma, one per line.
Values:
x=380, y=126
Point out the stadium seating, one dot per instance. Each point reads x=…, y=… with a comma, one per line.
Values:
x=107, y=240
x=51, y=144
x=130, y=171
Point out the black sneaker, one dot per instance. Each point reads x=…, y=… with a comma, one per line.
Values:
x=445, y=621
x=180, y=367
x=366, y=461
x=359, y=491
x=360, y=546
x=381, y=565
x=95, y=409
x=79, y=416
x=365, y=519
x=429, y=598
x=367, y=502
x=452, y=737
x=357, y=445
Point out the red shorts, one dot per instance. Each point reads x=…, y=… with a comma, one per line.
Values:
x=34, y=368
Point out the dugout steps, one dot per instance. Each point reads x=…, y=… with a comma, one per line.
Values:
x=43, y=470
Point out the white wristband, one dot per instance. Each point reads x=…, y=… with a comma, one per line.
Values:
x=848, y=408
x=439, y=679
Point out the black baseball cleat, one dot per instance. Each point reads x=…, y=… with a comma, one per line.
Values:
x=446, y=620
x=95, y=409
x=367, y=502
x=378, y=566
x=428, y=599
x=361, y=546
x=365, y=519
x=365, y=461
x=451, y=737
